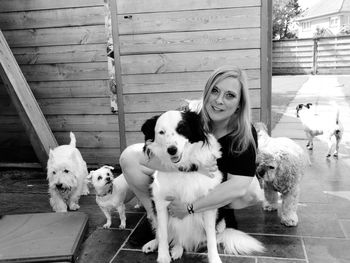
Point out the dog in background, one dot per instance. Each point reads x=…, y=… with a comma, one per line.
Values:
x=314, y=126
x=280, y=165
x=179, y=141
x=111, y=193
x=67, y=176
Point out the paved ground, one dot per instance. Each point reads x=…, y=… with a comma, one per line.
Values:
x=323, y=234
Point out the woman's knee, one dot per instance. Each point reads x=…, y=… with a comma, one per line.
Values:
x=130, y=156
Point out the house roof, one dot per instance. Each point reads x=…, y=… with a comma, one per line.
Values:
x=325, y=7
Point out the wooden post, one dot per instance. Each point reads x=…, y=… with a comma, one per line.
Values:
x=265, y=62
x=34, y=122
x=314, y=57
x=118, y=74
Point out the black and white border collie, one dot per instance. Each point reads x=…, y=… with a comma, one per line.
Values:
x=178, y=140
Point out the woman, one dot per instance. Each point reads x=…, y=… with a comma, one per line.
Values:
x=226, y=114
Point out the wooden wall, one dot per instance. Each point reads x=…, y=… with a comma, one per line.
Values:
x=61, y=49
x=165, y=51
x=330, y=55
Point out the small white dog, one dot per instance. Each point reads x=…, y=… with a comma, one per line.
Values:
x=332, y=129
x=281, y=164
x=111, y=193
x=179, y=141
x=67, y=175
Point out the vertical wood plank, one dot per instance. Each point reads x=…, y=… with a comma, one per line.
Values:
x=22, y=97
x=118, y=74
x=265, y=61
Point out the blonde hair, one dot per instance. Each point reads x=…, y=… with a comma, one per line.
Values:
x=240, y=123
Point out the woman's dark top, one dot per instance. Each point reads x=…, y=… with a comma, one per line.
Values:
x=238, y=164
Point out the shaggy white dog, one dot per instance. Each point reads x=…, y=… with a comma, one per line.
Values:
x=329, y=127
x=281, y=164
x=178, y=140
x=67, y=175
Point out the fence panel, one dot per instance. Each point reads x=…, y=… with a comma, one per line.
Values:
x=329, y=55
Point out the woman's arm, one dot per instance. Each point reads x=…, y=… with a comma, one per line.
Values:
x=234, y=189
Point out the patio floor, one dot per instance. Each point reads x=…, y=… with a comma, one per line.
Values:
x=323, y=233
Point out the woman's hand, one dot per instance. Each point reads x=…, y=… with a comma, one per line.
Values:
x=176, y=208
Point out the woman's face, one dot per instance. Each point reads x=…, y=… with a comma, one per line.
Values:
x=223, y=100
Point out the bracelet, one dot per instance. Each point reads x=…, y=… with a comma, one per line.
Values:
x=190, y=208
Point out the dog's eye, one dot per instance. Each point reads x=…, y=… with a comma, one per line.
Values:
x=65, y=171
x=53, y=172
x=108, y=174
x=99, y=178
x=271, y=167
x=161, y=132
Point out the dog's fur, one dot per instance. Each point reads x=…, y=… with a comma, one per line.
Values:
x=281, y=164
x=110, y=193
x=67, y=176
x=313, y=126
x=178, y=140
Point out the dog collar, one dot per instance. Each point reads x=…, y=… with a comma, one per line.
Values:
x=110, y=191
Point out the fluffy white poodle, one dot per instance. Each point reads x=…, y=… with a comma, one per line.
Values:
x=280, y=165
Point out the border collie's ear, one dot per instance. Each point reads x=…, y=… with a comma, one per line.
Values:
x=148, y=128
x=308, y=105
x=191, y=127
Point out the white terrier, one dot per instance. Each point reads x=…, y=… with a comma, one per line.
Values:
x=111, y=193
x=67, y=175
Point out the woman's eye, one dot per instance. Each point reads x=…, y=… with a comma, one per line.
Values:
x=214, y=90
x=65, y=171
x=230, y=96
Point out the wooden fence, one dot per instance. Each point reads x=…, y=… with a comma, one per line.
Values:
x=164, y=52
x=329, y=55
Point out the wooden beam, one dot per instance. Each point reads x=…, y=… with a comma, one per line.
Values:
x=265, y=62
x=118, y=74
x=35, y=124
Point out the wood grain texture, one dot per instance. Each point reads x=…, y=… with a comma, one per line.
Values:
x=228, y=39
x=56, y=36
x=53, y=18
x=140, y=6
x=197, y=20
x=188, y=62
x=20, y=5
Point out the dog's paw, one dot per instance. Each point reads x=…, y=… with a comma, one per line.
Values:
x=107, y=225
x=122, y=225
x=289, y=221
x=74, y=206
x=150, y=246
x=176, y=252
x=164, y=258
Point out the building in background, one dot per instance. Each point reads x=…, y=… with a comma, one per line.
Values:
x=325, y=18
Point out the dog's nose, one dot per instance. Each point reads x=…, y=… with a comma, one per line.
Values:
x=172, y=150
x=108, y=179
x=59, y=186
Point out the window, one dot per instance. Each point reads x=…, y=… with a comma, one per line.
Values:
x=334, y=22
x=306, y=26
